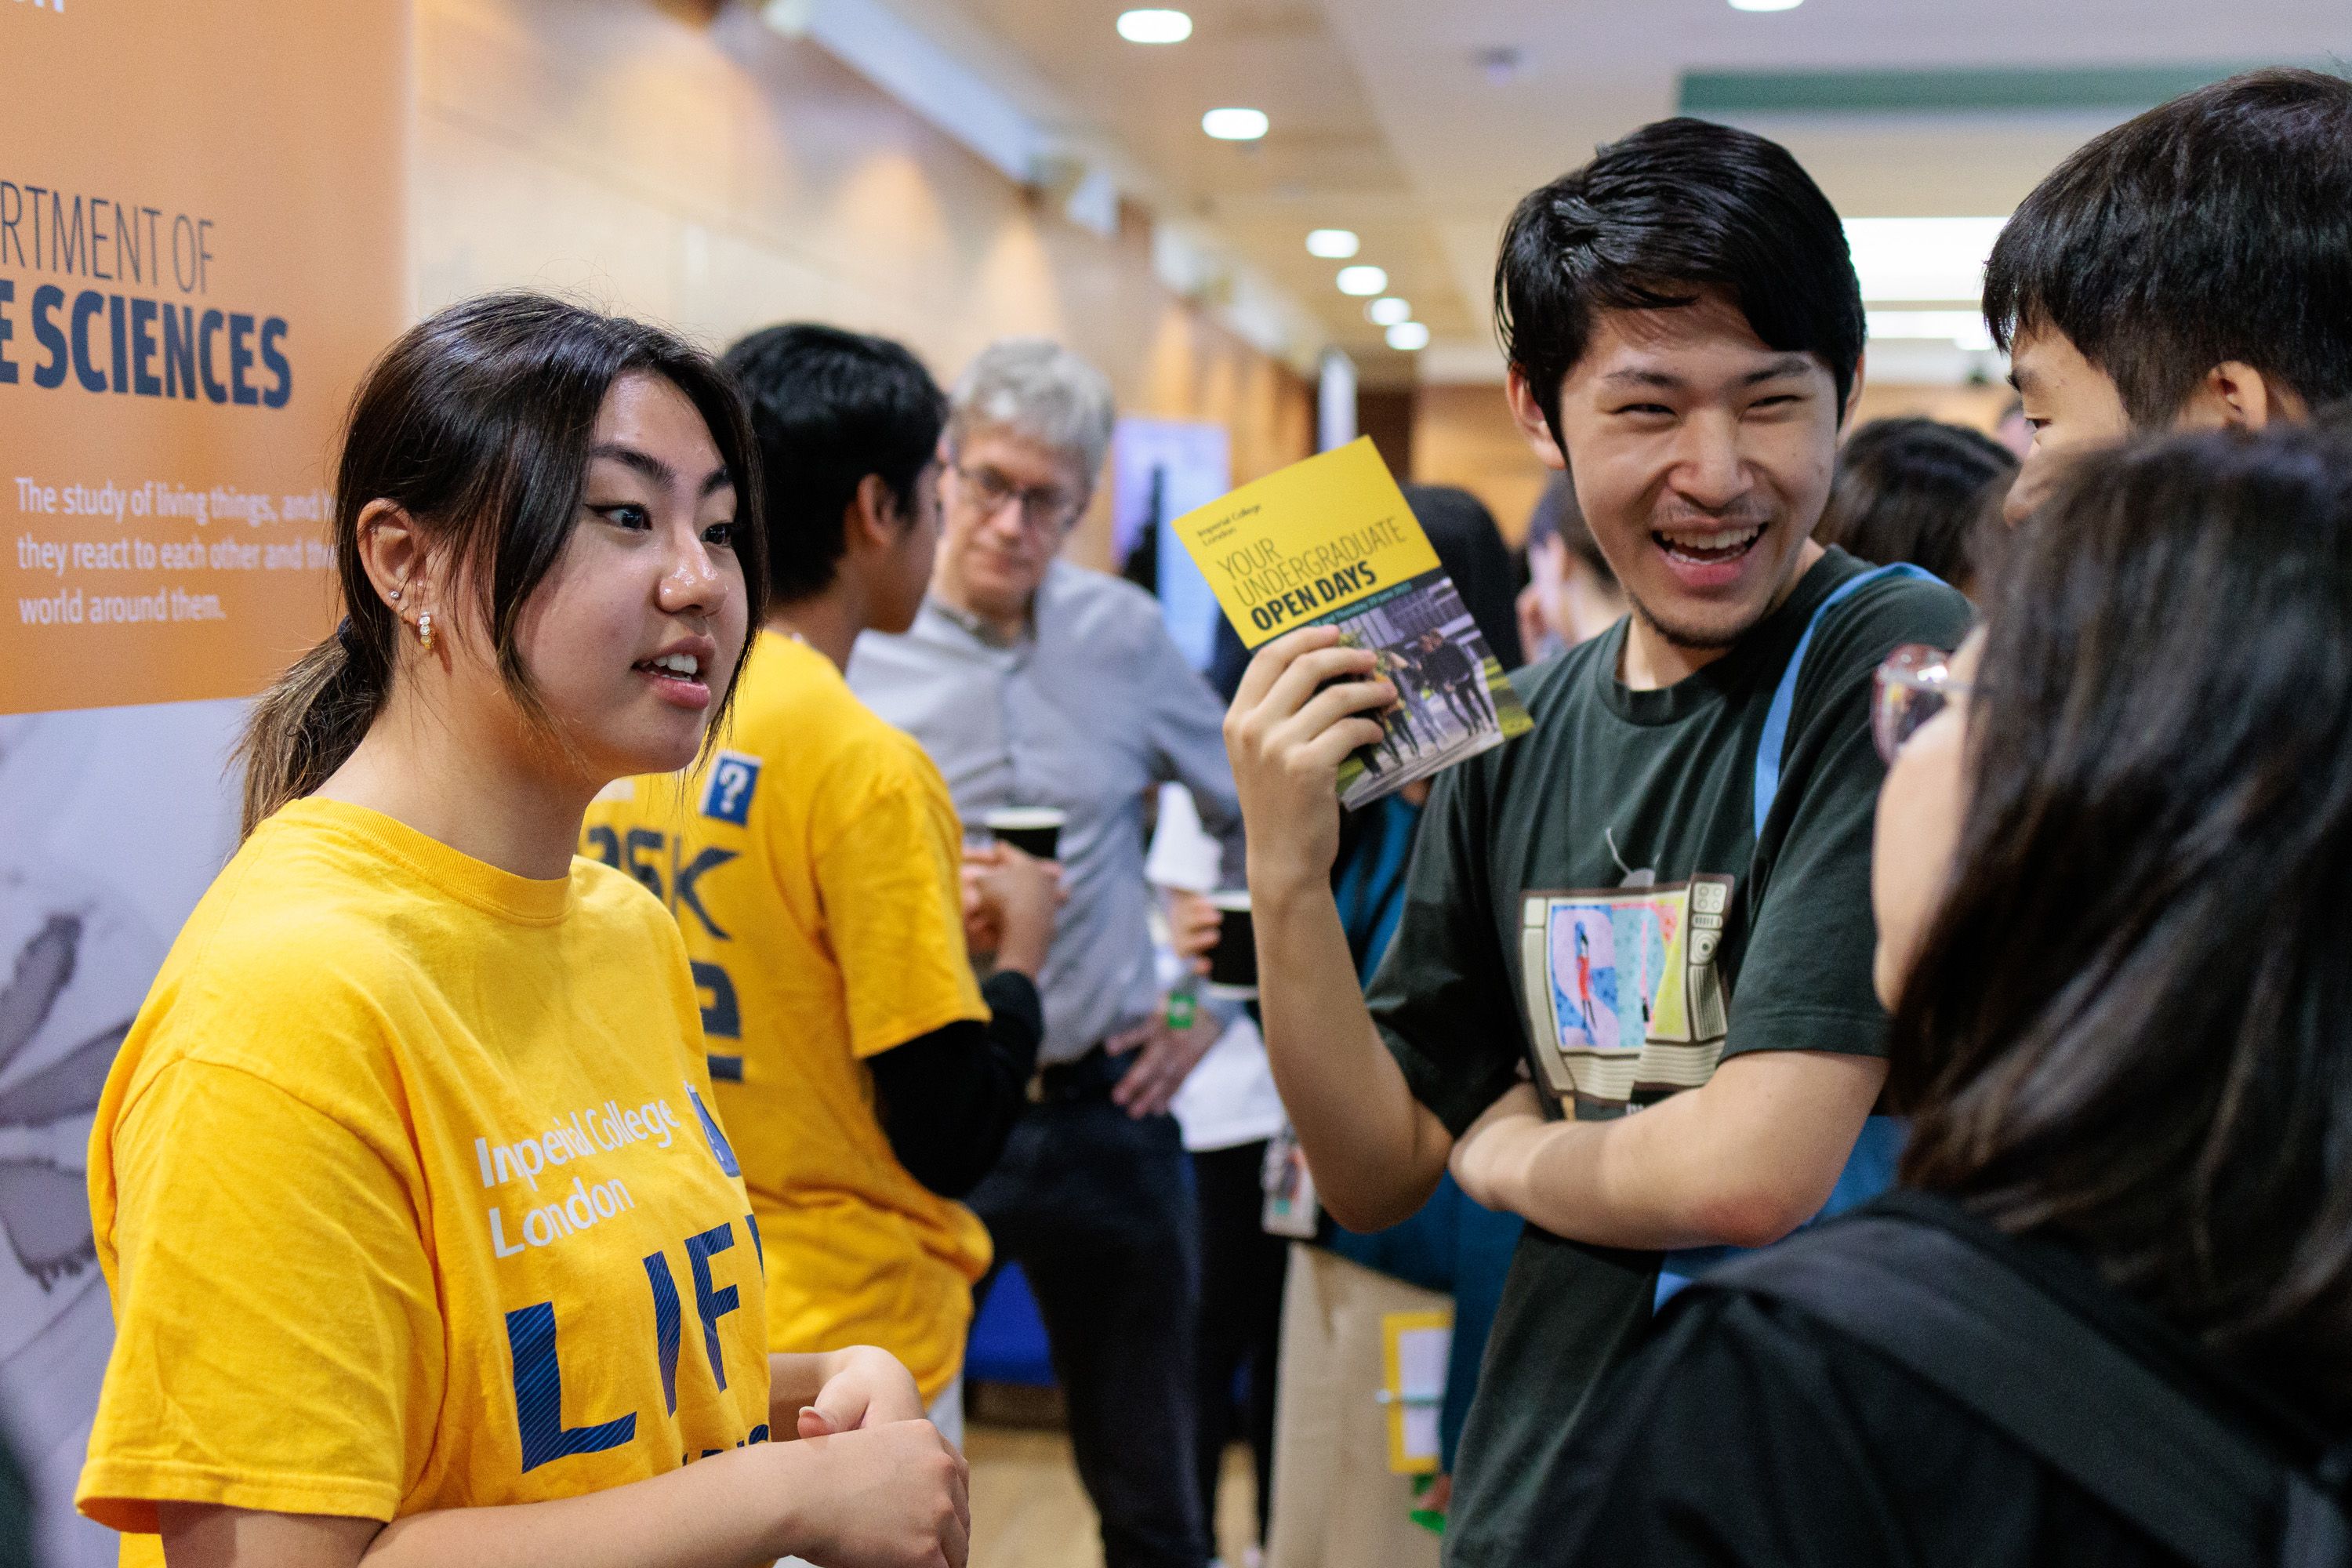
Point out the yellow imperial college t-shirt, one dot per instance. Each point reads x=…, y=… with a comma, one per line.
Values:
x=410, y=1197
x=814, y=865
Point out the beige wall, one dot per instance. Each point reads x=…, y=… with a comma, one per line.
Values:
x=1464, y=436
x=715, y=176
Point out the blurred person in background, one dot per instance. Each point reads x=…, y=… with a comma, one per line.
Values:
x=2108, y=875
x=867, y=1080
x=1035, y=682
x=2190, y=269
x=1571, y=594
x=1228, y=1110
x=1922, y=492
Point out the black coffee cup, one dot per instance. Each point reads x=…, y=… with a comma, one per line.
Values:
x=1034, y=830
x=1232, y=962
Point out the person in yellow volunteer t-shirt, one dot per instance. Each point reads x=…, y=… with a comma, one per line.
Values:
x=868, y=1080
x=426, y=1244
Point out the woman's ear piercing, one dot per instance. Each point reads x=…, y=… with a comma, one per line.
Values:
x=395, y=595
x=425, y=630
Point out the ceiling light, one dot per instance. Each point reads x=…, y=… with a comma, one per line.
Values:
x=1333, y=244
x=1154, y=26
x=1410, y=337
x=1766, y=4
x=1388, y=312
x=1364, y=280
x=1961, y=329
x=1910, y=260
x=1234, y=124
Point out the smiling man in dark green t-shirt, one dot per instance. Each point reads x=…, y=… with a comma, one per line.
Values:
x=1658, y=899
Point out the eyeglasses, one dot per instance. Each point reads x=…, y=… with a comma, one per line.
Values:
x=1910, y=687
x=1045, y=509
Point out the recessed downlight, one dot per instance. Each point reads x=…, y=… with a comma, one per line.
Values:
x=1234, y=124
x=1407, y=337
x=1388, y=312
x=1154, y=26
x=1766, y=4
x=1333, y=244
x=1363, y=280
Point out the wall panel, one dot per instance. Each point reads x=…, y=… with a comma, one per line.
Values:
x=719, y=176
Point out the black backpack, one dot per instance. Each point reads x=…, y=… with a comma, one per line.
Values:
x=1970, y=1325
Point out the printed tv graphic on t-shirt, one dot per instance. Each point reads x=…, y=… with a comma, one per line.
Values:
x=1624, y=1001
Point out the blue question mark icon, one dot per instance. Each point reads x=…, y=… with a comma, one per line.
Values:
x=728, y=795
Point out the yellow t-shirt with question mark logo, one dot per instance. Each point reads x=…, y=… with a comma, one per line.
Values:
x=813, y=867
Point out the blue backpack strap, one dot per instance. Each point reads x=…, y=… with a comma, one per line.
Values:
x=1774, y=740
x=1870, y=1169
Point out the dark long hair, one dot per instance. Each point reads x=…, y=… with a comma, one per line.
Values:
x=1470, y=549
x=1922, y=492
x=2130, y=1023
x=476, y=422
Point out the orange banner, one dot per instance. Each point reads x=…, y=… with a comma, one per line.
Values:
x=202, y=245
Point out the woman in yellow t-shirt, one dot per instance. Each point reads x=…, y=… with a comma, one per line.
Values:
x=424, y=1244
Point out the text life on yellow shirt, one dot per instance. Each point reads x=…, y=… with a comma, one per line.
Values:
x=408, y=1192
x=814, y=869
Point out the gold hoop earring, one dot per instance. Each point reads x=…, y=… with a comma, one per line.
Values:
x=425, y=630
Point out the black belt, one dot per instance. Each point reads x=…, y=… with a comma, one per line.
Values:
x=1089, y=1077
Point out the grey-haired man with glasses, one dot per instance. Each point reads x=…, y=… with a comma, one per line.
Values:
x=1035, y=682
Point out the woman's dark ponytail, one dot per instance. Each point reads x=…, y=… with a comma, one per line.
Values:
x=476, y=424
x=310, y=721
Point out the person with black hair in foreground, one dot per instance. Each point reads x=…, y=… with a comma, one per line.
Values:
x=2190, y=269
x=1684, y=333
x=1922, y=492
x=868, y=1080
x=2109, y=877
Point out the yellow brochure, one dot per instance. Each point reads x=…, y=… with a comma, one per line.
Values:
x=1331, y=539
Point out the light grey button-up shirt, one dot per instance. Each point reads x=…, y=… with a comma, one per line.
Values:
x=1088, y=712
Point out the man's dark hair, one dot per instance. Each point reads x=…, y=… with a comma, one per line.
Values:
x=2125, y=1028
x=829, y=408
x=1922, y=492
x=2217, y=227
x=1677, y=208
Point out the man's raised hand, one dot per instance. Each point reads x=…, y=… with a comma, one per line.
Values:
x=1306, y=701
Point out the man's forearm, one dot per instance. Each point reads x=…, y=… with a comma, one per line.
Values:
x=1376, y=1152
x=1743, y=1161
x=948, y=1100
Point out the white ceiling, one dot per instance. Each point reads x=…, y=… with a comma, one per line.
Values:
x=1388, y=120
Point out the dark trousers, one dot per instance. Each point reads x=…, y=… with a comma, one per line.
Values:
x=1098, y=1209
x=1241, y=1319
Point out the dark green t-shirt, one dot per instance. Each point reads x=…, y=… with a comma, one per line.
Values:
x=1594, y=900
